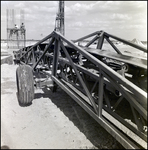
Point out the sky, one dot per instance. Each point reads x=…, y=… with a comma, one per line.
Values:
x=125, y=19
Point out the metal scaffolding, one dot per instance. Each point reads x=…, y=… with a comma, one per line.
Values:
x=16, y=35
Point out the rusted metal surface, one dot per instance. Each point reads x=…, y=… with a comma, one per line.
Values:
x=100, y=86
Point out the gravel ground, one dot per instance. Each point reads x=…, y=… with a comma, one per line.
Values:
x=53, y=121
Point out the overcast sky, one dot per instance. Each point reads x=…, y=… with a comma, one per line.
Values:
x=125, y=19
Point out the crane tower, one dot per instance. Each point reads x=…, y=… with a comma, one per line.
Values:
x=59, y=22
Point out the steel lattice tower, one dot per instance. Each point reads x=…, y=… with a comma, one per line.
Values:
x=59, y=23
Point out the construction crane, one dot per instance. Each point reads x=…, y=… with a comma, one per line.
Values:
x=59, y=22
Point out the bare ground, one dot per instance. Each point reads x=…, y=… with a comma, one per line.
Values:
x=53, y=121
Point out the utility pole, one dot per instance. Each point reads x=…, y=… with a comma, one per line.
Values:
x=59, y=22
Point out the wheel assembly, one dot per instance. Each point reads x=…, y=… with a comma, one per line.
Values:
x=25, y=85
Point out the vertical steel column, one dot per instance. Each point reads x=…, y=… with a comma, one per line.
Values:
x=33, y=57
x=100, y=41
x=55, y=62
x=55, y=57
x=100, y=100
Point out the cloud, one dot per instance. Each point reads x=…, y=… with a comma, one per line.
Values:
x=48, y=10
x=83, y=16
x=117, y=16
x=30, y=17
x=20, y=5
x=82, y=7
x=28, y=10
x=76, y=24
x=78, y=9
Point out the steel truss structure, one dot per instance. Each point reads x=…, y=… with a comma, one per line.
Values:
x=95, y=78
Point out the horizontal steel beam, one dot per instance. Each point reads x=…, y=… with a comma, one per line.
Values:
x=120, y=137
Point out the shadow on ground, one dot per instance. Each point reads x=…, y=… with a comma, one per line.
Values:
x=97, y=135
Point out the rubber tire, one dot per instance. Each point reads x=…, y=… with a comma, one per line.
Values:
x=25, y=85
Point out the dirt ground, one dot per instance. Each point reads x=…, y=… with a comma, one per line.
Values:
x=53, y=121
